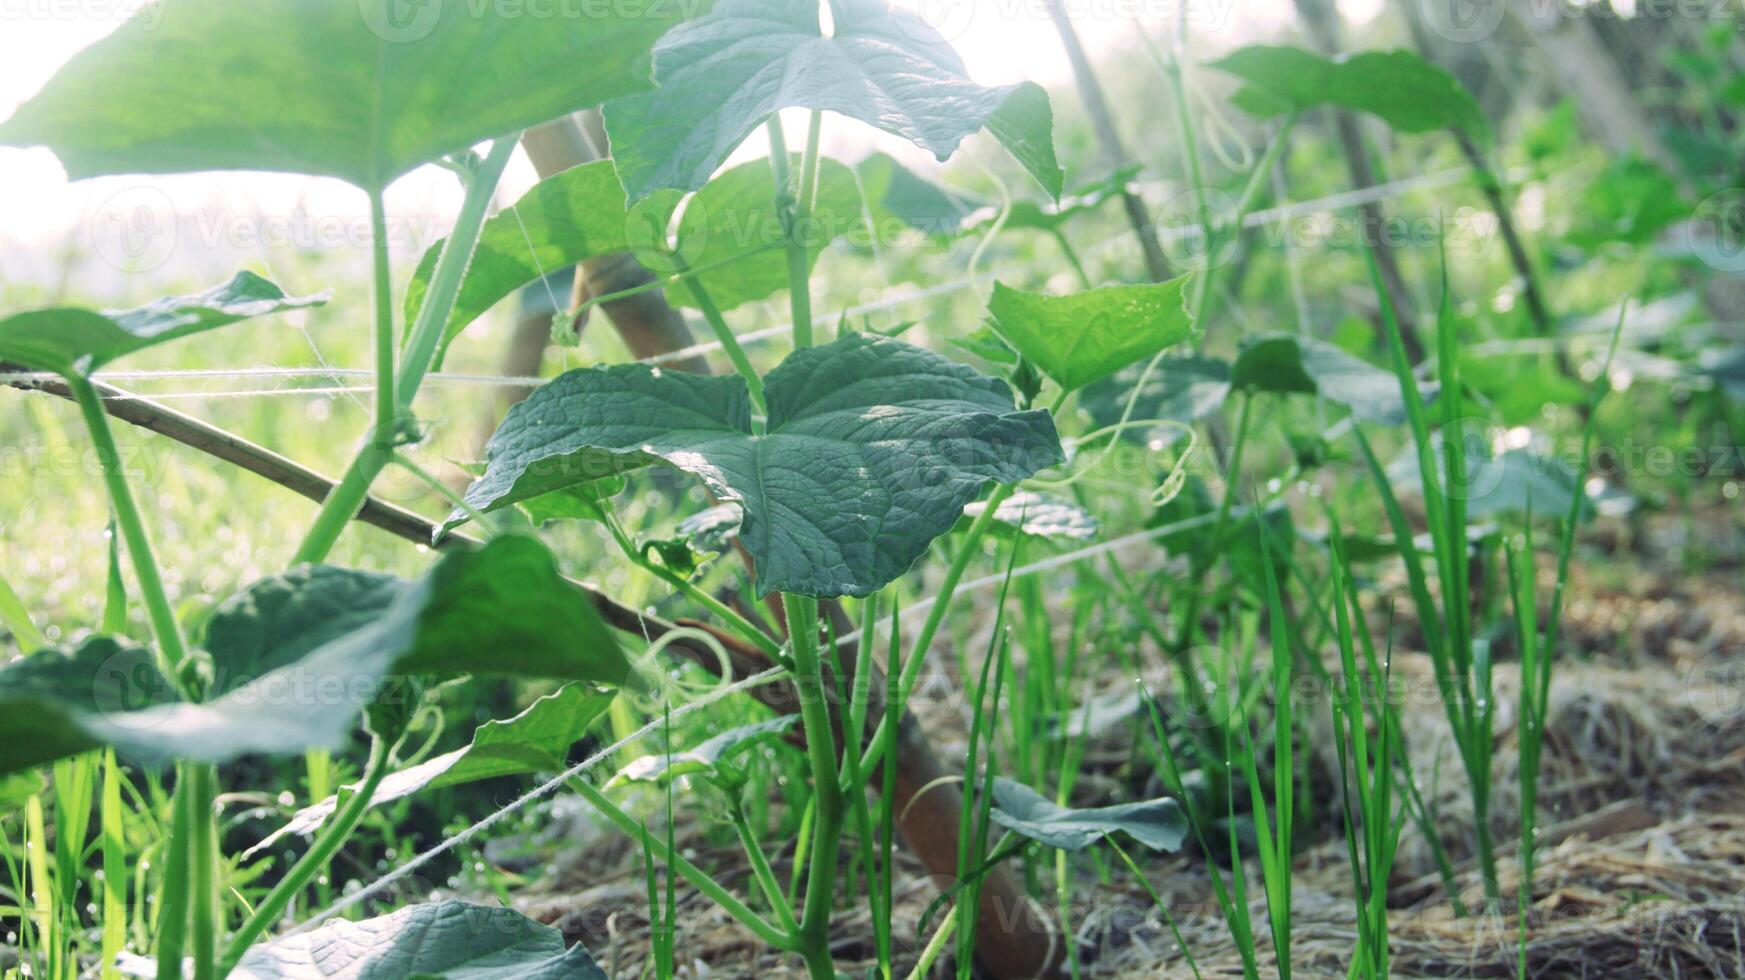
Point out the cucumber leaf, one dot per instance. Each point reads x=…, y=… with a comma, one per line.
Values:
x=73, y=341
x=723, y=74
x=1084, y=337
x=362, y=91
x=56, y=703
x=728, y=232
x=899, y=198
x=871, y=451
x=536, y=740
x=453, y=940
x=712, y=758
x=565, y=218
x=1290, y=364
x=502, y=609
x=1407, y=92
x=1159, y=824
x=298, y=657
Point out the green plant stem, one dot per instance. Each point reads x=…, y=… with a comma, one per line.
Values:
x=723, y=333
x=1232, y=476
x=173, y=906
x=203, y=874
x=727, y=614
x=760, y=867
x=802, y=613
x=699, y=878
x=416, y=357
x=934, y=947
x=1256, y=185
x=172, y=648
x=382, y=291
x=799, y=271
x=1072, y=257
x=326, y=844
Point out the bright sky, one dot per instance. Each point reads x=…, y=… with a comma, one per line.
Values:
x=41, y=212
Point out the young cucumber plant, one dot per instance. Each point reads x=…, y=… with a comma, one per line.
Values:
x=846, y=461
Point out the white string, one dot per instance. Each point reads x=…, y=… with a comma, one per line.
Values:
x=542, y=790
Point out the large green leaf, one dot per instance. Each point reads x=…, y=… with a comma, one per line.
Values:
x=1290, y=364
x=364, y=91
x=1084, y=337
x=69, y=340
x=723, y=74
x=452, y=940
x=298, y=657
x=872, y=449
x=536, y=740
x=502, y=609
x=712, y=758
x=1407, y=92
x=1159, y=824
x=56, y=703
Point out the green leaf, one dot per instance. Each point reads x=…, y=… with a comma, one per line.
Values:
x=1511, y=480
x=575, y=215
x=578, y=503
x=872, y=449
x=712, y=529
x=1040, y=515
x=1289, y=364
x=731, y=234
x=501, y=609
x=69, y=340
x=1181, y=389
x=1027, y=215
x=1083, y=337
x=58, y=703
x=361, y=91
x=711, y=758
x=722, y=75
x=299, y=656
x=728, y=232
x=1407, y=92
x=1158, y=824
x=899, y=198
x=536, y=740
x=452, y=940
